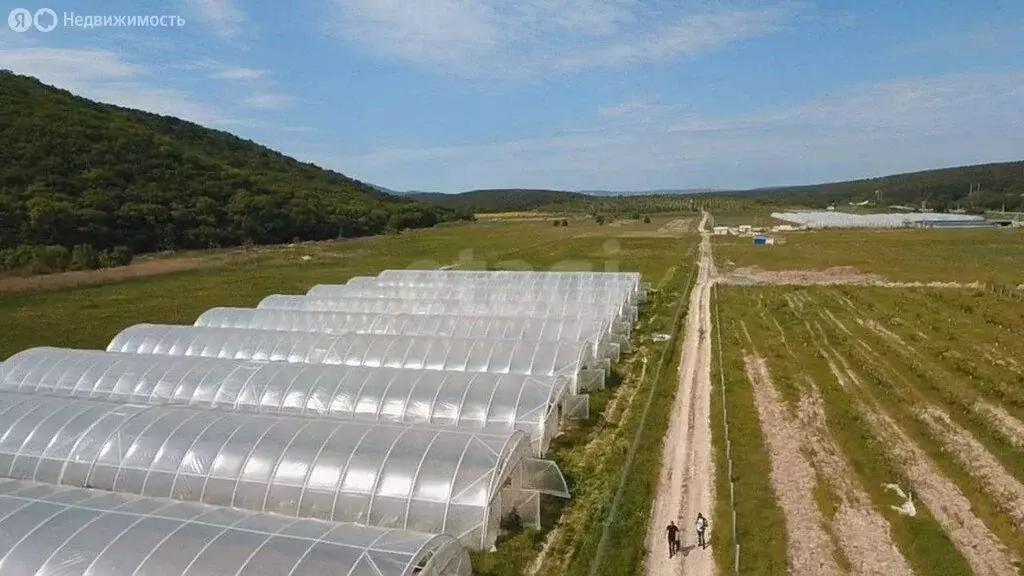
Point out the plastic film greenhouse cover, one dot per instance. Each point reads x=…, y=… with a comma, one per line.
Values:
x=480, y=401
x=527, y=283
x=608, y=298
x=48, y=530
x=528, y=309
x=526, y=357
x=592, y=330
x=429, y=480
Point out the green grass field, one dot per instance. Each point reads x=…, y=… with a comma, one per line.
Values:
x=982, y=255
x=890, y=352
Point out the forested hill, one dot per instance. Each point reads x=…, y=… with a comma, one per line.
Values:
x=975, y=188
x=77, y=172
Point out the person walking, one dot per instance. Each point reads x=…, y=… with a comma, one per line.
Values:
x=702, y=526
x=673, y=538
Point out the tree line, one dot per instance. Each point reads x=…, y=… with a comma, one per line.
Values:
x=84, y=184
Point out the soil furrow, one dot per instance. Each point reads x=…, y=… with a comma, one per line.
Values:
x=811, y=550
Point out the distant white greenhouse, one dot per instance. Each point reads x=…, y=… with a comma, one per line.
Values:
x=470, y=400
x=844, y=220
x=438, y=481
x=51, y=530
x=574, y=362
x=596, y=331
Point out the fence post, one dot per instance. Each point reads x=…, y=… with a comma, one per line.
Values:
x=736, y=561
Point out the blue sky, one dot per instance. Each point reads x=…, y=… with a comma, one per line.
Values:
x=451, y=95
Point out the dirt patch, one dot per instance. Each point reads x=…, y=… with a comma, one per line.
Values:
x=834, y=276
x=811, y=550
x=862, y=532
x=107, y=275
x=828, y=276
x=1011, y=428
x=1005, y=490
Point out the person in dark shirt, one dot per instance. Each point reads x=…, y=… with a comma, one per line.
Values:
x=673, y=539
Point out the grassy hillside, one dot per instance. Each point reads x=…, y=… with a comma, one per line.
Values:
x=76, y=172
x=941, y=189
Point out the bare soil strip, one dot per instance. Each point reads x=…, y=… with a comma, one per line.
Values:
x=811, y=550
x=1011, y=428
x=951, y=509
x=1006, y=491
x=862, y=532
x=687, y=481
x=834, y=276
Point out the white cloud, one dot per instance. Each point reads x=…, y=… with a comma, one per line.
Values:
x=529, y=37
x=222, y=16
x=268, y=100
x=884, y=128
x=238, y=73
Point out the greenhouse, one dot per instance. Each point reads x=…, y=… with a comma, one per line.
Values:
x=539, y=283
x=439, y=481
x=603, y=299
x=51, y=530
x=527, y=357
x=478, y=401
x=531, y=309
x=595, y=331
x=813, y=219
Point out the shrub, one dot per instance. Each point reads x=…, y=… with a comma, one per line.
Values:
x=84, y=257
x=116, y=256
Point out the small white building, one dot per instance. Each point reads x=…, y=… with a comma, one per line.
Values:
x=745, y=229
x=783, y=228
x=721, y=231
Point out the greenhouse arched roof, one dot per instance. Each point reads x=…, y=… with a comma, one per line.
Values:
x=48, y=529
x=422, y=479
x=604, y=297
x=593, y=330
x=526, y=357
x=530, y=309
x=471, y=400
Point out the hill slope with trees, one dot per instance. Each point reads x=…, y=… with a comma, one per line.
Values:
x=77, y=173
x=975, y=188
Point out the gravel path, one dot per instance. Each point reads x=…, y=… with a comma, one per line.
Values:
x=687, y=481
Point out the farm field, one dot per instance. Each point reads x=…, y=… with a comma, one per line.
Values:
x=589, y=452
x=42, y=312
x=994, y=256
x=837, y=398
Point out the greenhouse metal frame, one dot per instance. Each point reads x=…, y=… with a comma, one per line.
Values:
x=622, y=323
x=469, y=400
x=593, y=330
x=47, y=529
x=422, y=479
x=571, y=361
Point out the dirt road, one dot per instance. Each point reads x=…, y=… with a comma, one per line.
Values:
x=686, y=485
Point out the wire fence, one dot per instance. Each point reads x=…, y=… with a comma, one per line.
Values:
x=728, y=442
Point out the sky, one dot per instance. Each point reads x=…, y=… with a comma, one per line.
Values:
x=453, y=95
